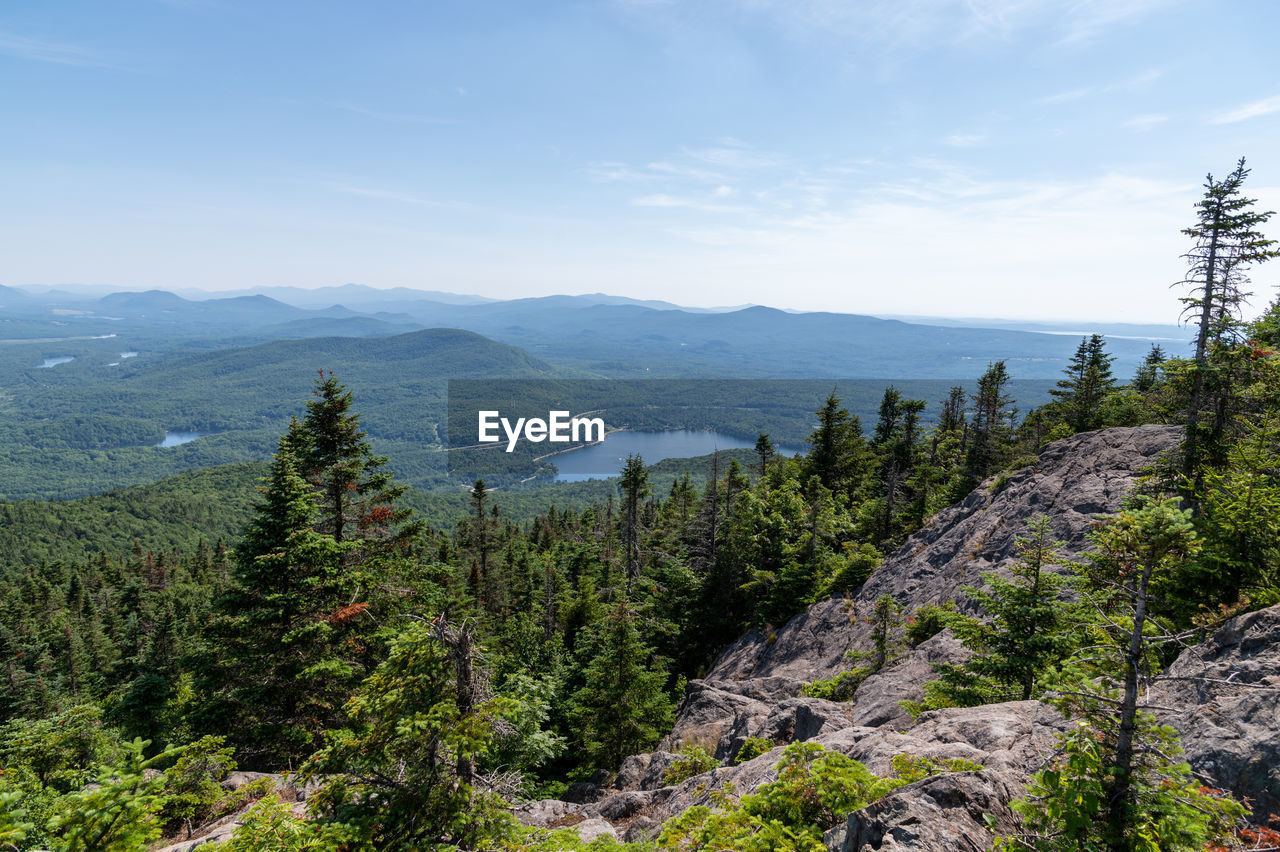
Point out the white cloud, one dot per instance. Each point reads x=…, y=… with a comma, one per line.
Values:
x=58, y=53
x=664, y=200
x=895, y=25
x=964, y=140
x=1146, y=121
x=1266, y=106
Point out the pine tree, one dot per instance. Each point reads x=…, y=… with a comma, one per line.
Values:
x=357, y=493
x=283, y=668
x=1116, y=784
x=1148, y=373
x=765, y=450
x=1025, y=635
x=635, y=487
x=835, y=453
x=990, y=431
x=479, y=541
x=1079, y=396
x=1227, y=244
x=622, y=709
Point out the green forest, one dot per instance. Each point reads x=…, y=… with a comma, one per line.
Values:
x=421, y=661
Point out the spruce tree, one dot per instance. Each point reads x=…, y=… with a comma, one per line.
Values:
x=836, y=447
x=1079, y=396
x=357, y=492
x=1026, y=633
x=622, y=708
x=635, y=488
x=1227, y=243
x=282, y=671
x=989, y=435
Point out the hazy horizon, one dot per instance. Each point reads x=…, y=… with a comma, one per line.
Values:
x=1012, y=158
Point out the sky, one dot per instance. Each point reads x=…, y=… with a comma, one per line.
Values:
x=998, y=158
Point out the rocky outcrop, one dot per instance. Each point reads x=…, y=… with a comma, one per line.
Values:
x=1226, y=692
x=1073, y=481
x=1229, y=686
x=944, y=812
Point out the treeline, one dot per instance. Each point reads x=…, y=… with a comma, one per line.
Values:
x=424, y=677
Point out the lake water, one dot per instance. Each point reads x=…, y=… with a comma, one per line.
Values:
x=606, y=459
x=174, y=439
x=53, y=362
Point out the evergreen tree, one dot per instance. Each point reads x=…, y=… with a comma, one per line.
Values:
x=1026, y=633
x=1227, y=243
x=282, y=669
x=1079, y=396
x=765, y=450
x=989, y=435
x=479, y=541
x=635, y=488
x=1117, y=785
x=835, y=447
x=1148, y=374
x=357, y=493
x=622, y=708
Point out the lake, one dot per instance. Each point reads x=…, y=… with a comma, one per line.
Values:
x=174, y=439
x=605, y=459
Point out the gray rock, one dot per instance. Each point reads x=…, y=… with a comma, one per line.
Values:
x=708, y=713
x=621, y=806
x=645, y=771
x=584, y=792
x=1227, y=691
x=591, y=829
x=1073, y=480
x=543, y=813
x=944, y=812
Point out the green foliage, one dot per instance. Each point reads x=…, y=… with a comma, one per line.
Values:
x=928, y=621
x=909, y=769
x=839, y=687
x=692, y=761
x=1066, y=803
x=622, y=707
x=13, y=828
x=1026, y=634
x=271, y=826
x=191, y=790
x=815, y=790
x=753, y=747
x=60, y=751
x=118, y=813
x=1078, y=398
x=400, y=775
x=886, y=634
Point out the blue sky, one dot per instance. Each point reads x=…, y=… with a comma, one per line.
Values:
x=1008, y=158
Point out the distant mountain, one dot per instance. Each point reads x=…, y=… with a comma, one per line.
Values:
x=240, y=400
x=359, y=295
x=1163, y=333
x=607, y=335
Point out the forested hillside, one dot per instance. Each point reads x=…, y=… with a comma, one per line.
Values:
x=417, y=680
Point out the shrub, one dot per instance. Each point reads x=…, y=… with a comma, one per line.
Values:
x=692, y=761
x=815, y=790
x=928, y=621
x=839, y=687
x=752, y=748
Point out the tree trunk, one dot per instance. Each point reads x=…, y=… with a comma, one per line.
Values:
x=1118, y=817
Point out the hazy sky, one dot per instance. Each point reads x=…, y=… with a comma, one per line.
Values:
x=1012, y=158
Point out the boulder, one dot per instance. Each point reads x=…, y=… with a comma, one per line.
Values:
x=1225, y=695
x=943, y=812
x=545, y=812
